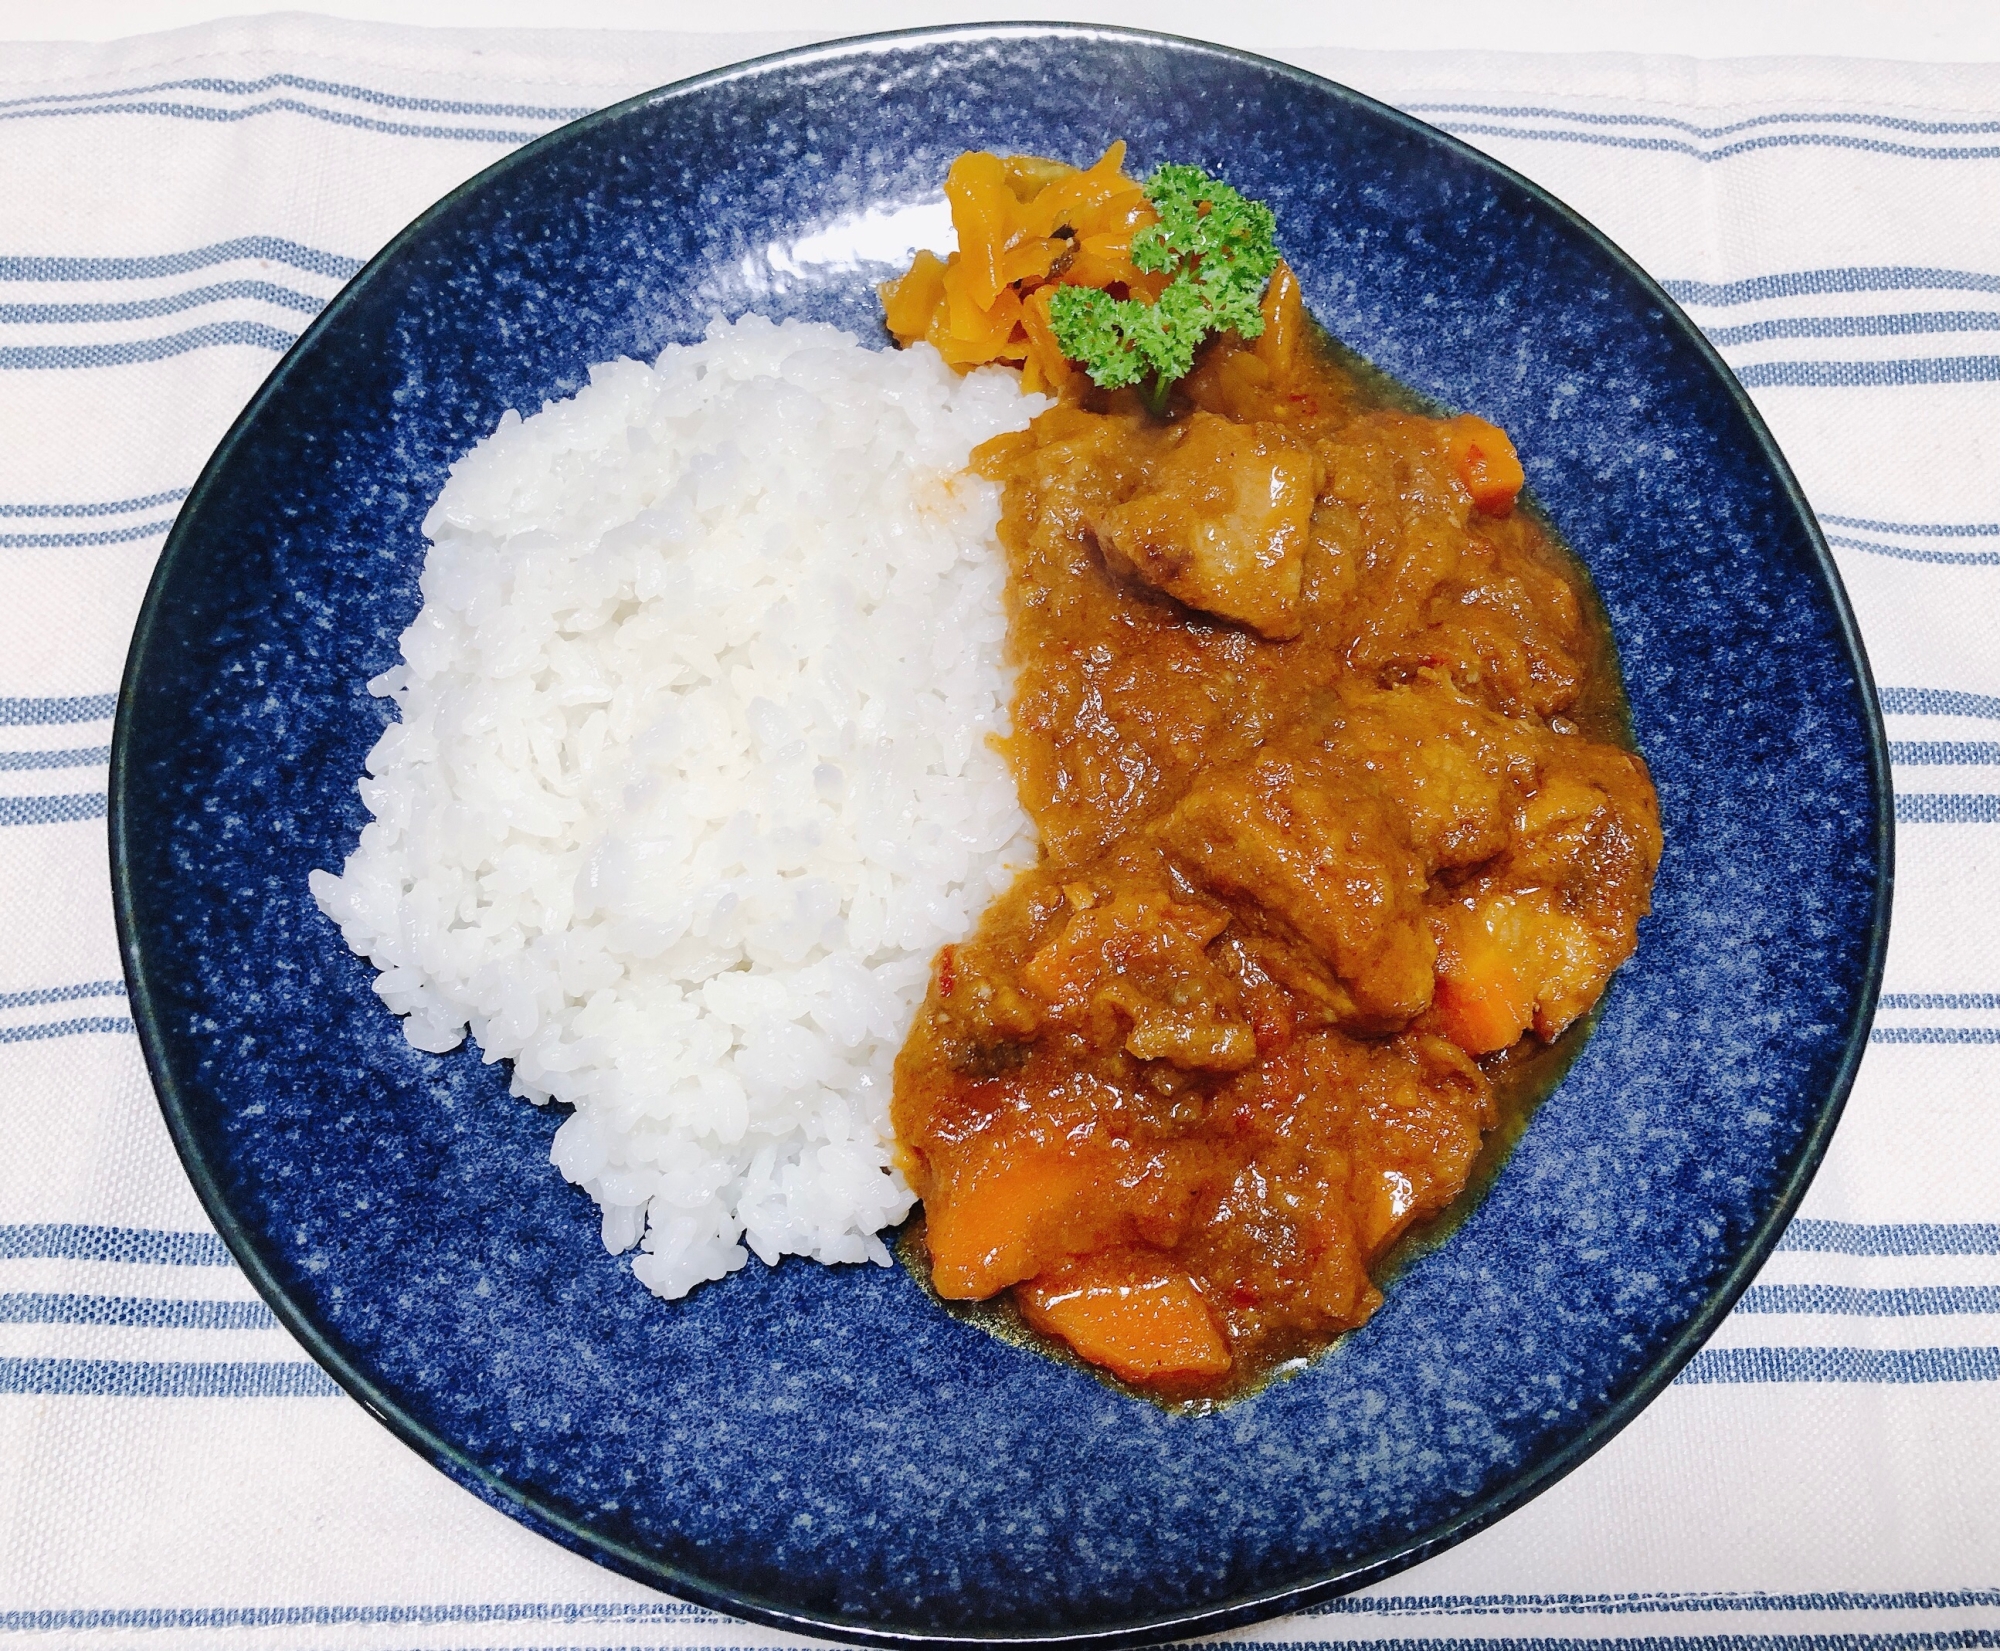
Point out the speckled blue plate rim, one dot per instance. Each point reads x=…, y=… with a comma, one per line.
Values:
x=647, y=1568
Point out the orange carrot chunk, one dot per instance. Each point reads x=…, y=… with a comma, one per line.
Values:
x=1485, y=995
x=1486, y=463
x=1480, y=1016
x=983, y=1229
x=1136, y=1316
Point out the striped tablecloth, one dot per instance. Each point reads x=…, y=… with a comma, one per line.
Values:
x=173, y=1472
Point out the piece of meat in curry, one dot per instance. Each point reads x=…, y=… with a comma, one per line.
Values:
x=1318, y=835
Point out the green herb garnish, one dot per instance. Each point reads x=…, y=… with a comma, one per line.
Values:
x=1220, y=249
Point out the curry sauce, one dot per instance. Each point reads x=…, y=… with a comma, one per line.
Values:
x=1339, y=828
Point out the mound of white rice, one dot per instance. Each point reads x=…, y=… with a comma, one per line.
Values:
x=691, y=777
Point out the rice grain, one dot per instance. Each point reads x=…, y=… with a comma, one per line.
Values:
x=691, y=776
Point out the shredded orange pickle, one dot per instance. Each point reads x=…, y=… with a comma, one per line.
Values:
x=1025, y=226
x=1028, y=226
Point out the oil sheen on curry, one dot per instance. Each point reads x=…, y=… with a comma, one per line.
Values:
x=1338, y=819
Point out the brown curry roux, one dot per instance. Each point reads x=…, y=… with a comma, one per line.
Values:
x=1314, y=731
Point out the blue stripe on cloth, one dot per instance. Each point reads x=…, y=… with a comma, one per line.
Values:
x=88, y=757
x=106, y=536
x=1900, y=1366
x=1813, y=282
x=1894, y=123
x=1939, y=1000
x=134, y=1312
x=1729, y=151
x=51, y=810
x=1935, y=702
x=105, y=1618
x=301, y=83
x=279, y=106
x=1939, y=702
x=1892, y=1237
x=1945, y=808
x=1637, y=1603
x=1849, y=1301
x=160, y=1379
x=67, y=1241
x=42, y=713
x=1869, y=375
x=102, y=1618
x=115, y=507
x=138, y=1246
x=67, y=1028
x=62, y=994
x=139, y=309
x=266, y=248
x=1935, y=1034
x=1840, y=326
x=1942, y=530
x=114, y=1378
x=47, y=357
x=1904, y=553
x=1944, y=753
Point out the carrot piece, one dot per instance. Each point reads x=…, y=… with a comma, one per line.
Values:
x=982, y=1231
x=1485, y=997
x=1478, y=1016
x=1486, y=462
x=1133, y=1314
x=909, y=304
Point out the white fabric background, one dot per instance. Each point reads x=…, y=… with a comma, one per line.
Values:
x=141, y=1510
x=1947, y=31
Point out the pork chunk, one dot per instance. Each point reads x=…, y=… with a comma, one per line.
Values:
x=1455, y=771
x=1318, y=847
x=1222, y=524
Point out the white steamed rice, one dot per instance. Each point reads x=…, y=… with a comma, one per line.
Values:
x=692, y=776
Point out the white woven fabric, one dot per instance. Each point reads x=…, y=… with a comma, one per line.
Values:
x=172, y=211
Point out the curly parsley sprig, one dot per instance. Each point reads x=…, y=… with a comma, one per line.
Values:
x=1220, y=249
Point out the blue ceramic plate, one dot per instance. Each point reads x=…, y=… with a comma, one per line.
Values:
x=824, y=1449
